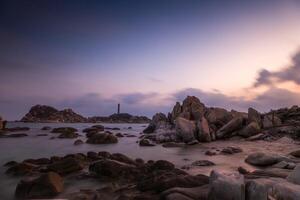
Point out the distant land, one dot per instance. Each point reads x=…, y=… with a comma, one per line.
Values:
x=44, y=113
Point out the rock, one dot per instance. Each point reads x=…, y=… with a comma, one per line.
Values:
x=42, y=113
x=104, y=154
x=111, y=168
x=226, y=186
x=10, y=163
x=65, y=166
x=179, y=193
x=150, y=128
x=119, y=135
x=257, y=189
x=262, y=189
x=16, y=135
x=122, y=158
x=285, y=165
x=254, y=116
x=15, y=129
x=185, y=129
x=68, y=135
x=93, y=155
x=46, y=128
x=176, y=111
x=64, y=130
x=199, y=163
x=119, y=118
x=203, y=133
x=78, y=142
x=259, y=136
x=169, y=180
x=210, y=153
x=102, y=138
x=231, y=150
x=42, y=135
x=159, y=121
x=172, y=144
x=262, y=159
x=296, y=153
x=271, y=120
x=46, y=186
x=90, y=131
x=218, y=116
x=99, y=127
x=20, y=169
x=145, y=142
x=193, y=108
x=228, y=129
x=272, y=172
x=163, y=165
x=39, y=161
x=294, y=176
x=250, y=130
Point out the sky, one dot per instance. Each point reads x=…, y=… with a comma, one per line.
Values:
x=146, y=55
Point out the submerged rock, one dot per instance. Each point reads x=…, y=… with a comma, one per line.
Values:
x=78, y=142
x=65, y=166
x=102, y=138
x=145, y=142
x=46, y=186
x=64, y=130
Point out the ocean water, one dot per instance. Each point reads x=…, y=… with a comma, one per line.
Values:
x=34, y=146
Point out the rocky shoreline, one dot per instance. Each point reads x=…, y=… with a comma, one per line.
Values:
x=263, y=148
x=48, y=114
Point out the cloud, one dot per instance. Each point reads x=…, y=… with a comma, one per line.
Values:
x=290, y=73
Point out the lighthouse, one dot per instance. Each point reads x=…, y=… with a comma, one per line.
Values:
x=119, y=108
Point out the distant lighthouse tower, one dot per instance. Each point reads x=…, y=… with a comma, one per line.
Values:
x=119, y=108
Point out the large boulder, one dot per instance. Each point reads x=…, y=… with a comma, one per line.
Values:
x=226, y=186
x=65, y=166
x=271, y=120
x=192, y=108
x=185, y=129
x=46, y=186
x=262, y=159
x=159, y=121
x=294, y=176
x=218, y=116
x=228, y=129
x=257, y=189
x=254, y=116
x=251, y=129
x=102, y=138
x=203, y=131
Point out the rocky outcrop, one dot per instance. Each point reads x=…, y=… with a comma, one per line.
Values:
x=119, y=118
x=43, y=113
x=192, y=108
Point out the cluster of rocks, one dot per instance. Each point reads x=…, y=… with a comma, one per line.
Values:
x=136, y=179
x=119, y=118
x=43, y=113
x=193, y=122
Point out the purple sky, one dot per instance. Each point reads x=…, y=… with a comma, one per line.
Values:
x=90, y=55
